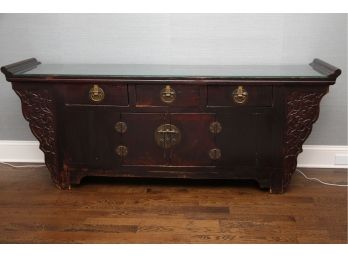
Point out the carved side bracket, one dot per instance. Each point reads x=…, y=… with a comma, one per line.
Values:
x=38, y=107
x=302, y=110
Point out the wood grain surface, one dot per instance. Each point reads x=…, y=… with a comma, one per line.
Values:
x=106, y=210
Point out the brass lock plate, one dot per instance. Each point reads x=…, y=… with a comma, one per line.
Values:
x=215, y=153
x=167, y=94
x=121, y=127
x=240, y=95
x=96, y=94
x=215, y=127
x=167, y=136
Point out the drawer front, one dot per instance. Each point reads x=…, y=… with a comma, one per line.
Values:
x=167, y=95
x=239, y=95
x=95, y=94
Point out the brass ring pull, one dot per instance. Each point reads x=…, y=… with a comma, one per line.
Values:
x=96, y=94
x=121, y=150
x=167, y=94
x=167, y=136
x=240, y=95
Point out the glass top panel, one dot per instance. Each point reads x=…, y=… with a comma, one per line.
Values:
x=148, y=70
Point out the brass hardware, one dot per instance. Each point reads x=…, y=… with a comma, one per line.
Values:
x=167, y=94
x=96, y=93
x=121, y=150
x=215, y=127
x=167, y=136
x=240, y=95
x=121, y=127
x=215, y=153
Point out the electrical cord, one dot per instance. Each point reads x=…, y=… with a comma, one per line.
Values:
x=22, y=166
x=319, y=181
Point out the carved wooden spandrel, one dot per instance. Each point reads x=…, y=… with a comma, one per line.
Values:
x=302, y=111
x=39, y=109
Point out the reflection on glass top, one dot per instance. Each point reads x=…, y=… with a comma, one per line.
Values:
x=149, y=70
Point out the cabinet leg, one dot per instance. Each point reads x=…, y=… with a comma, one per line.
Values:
x=63, y=186
x=61, y=179
x=276, y=190
x=277, y=185
x=75, y=179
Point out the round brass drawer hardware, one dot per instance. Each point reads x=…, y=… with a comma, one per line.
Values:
x=215, y=127
x=121, y=150
x=167, y=136
x=215, y=153
x=121, y=127
x=96, y=94
x=167, y=94
x=240, y=95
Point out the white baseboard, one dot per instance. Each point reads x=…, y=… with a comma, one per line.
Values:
x=20, y=151
x=323, y=156
x=313, y=156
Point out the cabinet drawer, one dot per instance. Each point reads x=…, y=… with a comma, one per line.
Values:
x=239, y=95
x=167, y=95
x=95, y=94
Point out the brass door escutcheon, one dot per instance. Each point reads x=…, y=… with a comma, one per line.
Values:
x=167, y=136
x=96, y=94
x=167, y=94
x=240, y=95
x=215, y=153
x=215, y=127
x=121, y=127
x=121, y=150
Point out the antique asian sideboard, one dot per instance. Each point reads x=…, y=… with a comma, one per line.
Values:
x=171, y=121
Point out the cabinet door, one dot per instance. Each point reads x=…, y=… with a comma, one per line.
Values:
x=196, y=139
x=140, y=139
x=245, y=137
x=89, y=136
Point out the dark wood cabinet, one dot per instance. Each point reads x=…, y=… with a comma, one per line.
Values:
x=160, y=121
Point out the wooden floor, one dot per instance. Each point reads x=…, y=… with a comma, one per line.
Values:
x=32, y=210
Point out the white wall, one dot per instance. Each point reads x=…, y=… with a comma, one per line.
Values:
x=178, y=39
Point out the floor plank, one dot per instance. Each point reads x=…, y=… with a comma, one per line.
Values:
x=105, y=210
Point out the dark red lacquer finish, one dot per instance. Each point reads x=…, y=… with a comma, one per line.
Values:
x=216, y=127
